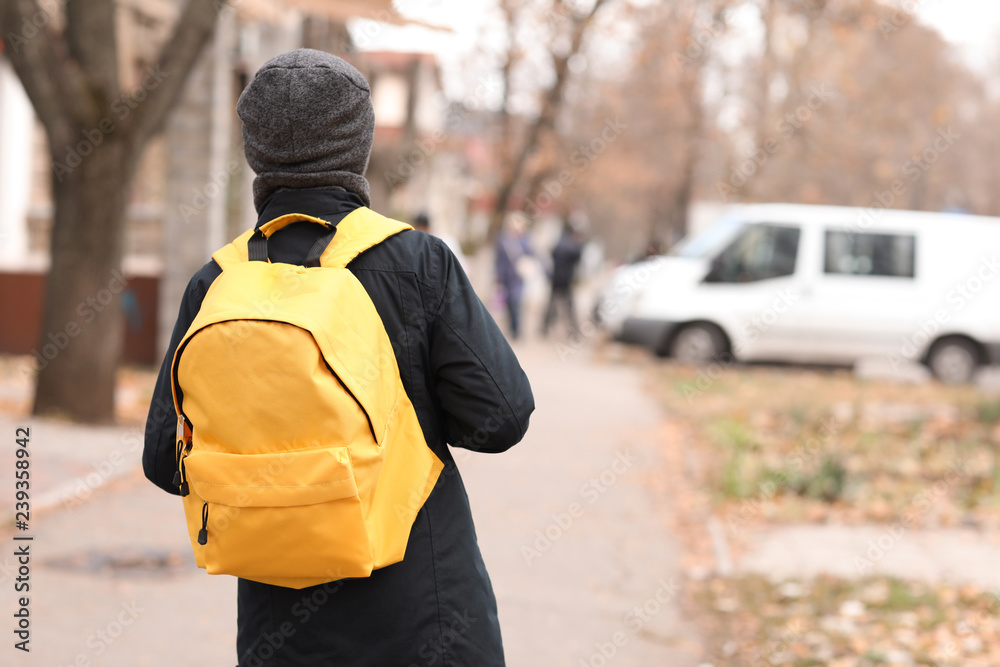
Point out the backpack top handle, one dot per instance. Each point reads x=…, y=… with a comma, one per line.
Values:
x=257, y=244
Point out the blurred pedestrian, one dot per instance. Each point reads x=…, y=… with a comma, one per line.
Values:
x=565, y=258
x=513, y=253
x=308, y=125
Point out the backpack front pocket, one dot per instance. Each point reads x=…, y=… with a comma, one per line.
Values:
x=289, y=514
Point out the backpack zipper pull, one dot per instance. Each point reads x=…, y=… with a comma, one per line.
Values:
x=182, y=477
x=203, y=533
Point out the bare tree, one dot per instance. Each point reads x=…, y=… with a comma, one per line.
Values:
x=859, y=99
x=515, y=156
x=696, y=27
x=69, y=66
x=640, y=188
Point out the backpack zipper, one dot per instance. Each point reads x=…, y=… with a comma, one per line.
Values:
x=178, y=449
x=183, y=449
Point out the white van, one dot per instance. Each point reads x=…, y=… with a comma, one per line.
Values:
x=821, y=284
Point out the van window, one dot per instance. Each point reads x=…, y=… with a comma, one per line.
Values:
x=760, y=252
x=860, y=254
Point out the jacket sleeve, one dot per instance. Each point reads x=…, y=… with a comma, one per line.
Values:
x=479, y=384
x=159, y=453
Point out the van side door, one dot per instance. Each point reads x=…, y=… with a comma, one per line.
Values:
x=751, y=287
x=867, y=297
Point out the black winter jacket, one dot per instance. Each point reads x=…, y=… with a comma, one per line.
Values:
x=436, y=607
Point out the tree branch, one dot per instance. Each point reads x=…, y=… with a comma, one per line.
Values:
x=177, y=58
x=513, y=55
x=546, y=119
x=40, y=57
x=91, y=34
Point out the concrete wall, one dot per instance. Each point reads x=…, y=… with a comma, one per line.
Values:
x=199, y=172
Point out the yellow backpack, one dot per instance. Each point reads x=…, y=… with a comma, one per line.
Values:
x=300, y=457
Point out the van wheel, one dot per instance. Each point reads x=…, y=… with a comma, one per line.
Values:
x=954, y=360
x=698, y=344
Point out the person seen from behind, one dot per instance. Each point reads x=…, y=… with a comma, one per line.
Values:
x=308, y=126
x=565, y=258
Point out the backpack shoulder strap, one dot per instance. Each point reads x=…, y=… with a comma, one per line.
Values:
x=358, y=231
x=233, y=253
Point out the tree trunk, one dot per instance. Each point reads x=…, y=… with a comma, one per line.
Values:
x=81, y=338
x=747, y=189
x=689, y=166
x=70, y=73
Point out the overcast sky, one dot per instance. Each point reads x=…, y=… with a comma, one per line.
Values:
x=973, y=26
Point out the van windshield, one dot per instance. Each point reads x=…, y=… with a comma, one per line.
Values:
x=711, y=240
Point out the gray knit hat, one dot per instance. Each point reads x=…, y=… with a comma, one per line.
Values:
x=307, y=123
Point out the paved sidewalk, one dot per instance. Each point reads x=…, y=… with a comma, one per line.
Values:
x=112, y=580
x=946, y=555
x=573, y=538
x=69, y=463
x=576, y=544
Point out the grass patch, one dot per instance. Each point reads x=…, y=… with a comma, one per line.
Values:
x=807, y=443
x=988, y=411
x=831, y=621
